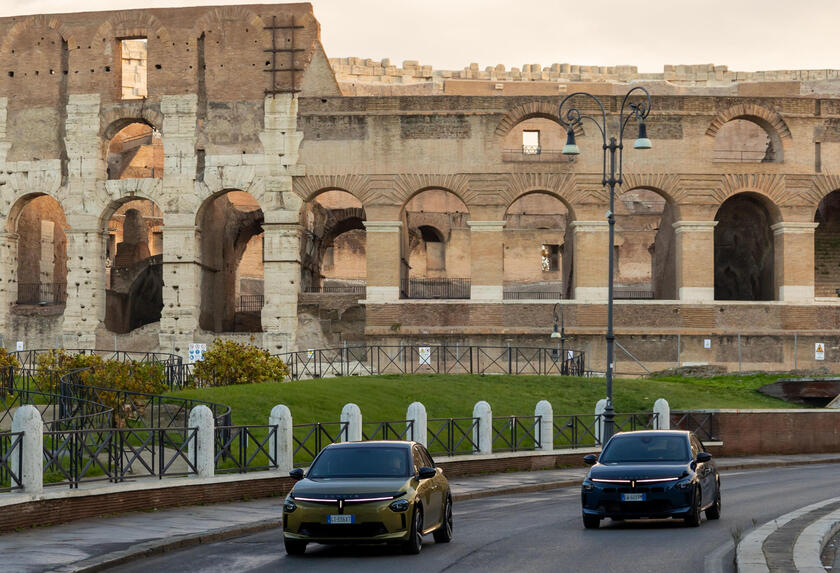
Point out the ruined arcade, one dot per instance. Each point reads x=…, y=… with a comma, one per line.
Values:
x=168, y=176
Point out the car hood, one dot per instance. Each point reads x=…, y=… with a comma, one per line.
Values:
x=348, y=488
x=639, y=471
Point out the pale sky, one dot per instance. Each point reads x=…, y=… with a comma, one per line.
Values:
x=746, y=35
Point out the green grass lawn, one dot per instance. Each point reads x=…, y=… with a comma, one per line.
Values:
x=386, y=397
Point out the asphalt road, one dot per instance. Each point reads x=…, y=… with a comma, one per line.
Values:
x=538, y=532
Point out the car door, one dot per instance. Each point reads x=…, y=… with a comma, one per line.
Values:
x=438, y=484
x=704, y=472
x=424, y=490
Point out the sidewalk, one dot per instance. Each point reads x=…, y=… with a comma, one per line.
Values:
x=90, y=544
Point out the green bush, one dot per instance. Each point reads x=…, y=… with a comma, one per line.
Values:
x=228, y=362
x=52, y=365
x=8, y=359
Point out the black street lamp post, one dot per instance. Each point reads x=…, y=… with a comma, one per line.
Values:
x=574, y=118
x=564, y=368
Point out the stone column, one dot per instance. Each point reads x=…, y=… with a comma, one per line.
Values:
x=85, y=308
x=8, y=279
x=793, y=248
x=282, y=446
x=546, y=412
x=416, y=413
x=695, y=254
x=201, y=449
x=663, y=409
x=352, y=415
x=281, y=263
x=30, y=469
x=591, y=260
x=600, y=408
x=181, y=283
x=483, y=434
x=384, y=258
x=486, y=262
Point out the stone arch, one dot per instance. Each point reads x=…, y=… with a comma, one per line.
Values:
x=135, y=151
x=216, y=17
x=309, y=187
x=522, y=112
x=407, y=186
x=754, y=112
x=119, y=117
x=827, y=246
x=27, y=23
x=133, y=24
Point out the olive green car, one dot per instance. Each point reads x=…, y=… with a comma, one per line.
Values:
x=368, y=492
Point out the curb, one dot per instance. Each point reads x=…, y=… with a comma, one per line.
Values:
x=157, y=547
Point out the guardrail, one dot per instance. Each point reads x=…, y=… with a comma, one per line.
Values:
x=700, y=422
x=453, y=436
x=429, y=288
x=42, y=293
x=11, y=457
x=394, y=430
x=242, y=449
x=310, y=439
x=517, y=433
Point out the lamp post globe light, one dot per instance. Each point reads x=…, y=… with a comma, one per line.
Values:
x=637, y=111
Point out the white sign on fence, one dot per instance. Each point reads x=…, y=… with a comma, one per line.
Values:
x=570, y=354
x=819, y=351
x=425, y=353
x=196, y=352
x=707, y=343
x=19, y=346
x=310, y=353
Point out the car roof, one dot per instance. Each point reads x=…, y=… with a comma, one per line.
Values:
x=372, y=444
x=655, y=433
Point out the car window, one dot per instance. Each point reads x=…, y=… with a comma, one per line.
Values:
x=426, y=456
x=645, y=448
x=361, y=461
x=695, y=449
x=418, y=460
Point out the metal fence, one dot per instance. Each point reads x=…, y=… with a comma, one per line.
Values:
x=250, y=303
x=517, y=433
x=345, y=287
x=452, y=436
x=393, y=430
x=42, y=293
x=532, y=295
x=630, y=294
x=11, y=456
x=426, y=288
x=701, y=422
x=576, y=430
x=310, y=439
x=117, y=454
x=373, y=360
x=241, y=449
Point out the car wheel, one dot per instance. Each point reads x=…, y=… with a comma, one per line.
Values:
x=693, y=519
x=591, y=521
x=294, y=546
x=414, y=542
x=714, y=511
x=443, y=534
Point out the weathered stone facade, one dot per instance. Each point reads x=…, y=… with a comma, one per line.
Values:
x=372, y=186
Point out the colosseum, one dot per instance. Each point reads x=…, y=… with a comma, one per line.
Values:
x=170, y=176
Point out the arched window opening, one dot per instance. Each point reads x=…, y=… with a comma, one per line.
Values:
x=135, y=152
x=645, y=265
x=437, y=241
x=334, y=247
x=133, y=266
x=232, y=276
x=827, y=247
x=536, y=260
x=42, y=252
x=534, y=139
x=747, y=140
x=743, y=250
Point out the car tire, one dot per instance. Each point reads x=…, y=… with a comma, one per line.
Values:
x=591, y=521
x=294, y=546
x=693, y=518
x=443, y=534
x=414, y=542
x=714, y=511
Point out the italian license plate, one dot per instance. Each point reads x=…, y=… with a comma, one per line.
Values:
x=632, y=497
x=337, y=519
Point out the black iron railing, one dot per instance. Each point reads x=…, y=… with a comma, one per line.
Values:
x=508, y=294
x=241, y=449
x=393, y=430
x=426, y=288
x=11, y=460
x=701, y=422
x=576, y=431
x=632, y=421
x=517, y=433
x=310, y=439
x=630, y=294
x=42, y=293
x=452, y=436
x=345, y=287
x=250, y=303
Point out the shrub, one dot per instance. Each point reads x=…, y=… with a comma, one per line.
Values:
x=228, y=362
x=8, y=359
x=52, y=365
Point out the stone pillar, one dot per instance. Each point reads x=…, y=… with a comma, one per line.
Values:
x=181, y=283
x=416, y=413
x=483, y=434
x=793, y=248
x=663, y=409
x=85, y=308
x=353, y=416
x=486, y=262
x=282, y=447
x=600, y=408
x=27, y=419
x=281, y=263
x=695, y=253
x=201, y=449
x=384, y=260
x=8, y=279
x=546, y=412
x=591, y=259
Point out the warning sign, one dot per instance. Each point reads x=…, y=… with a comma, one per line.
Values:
x=425, y=355
x=819, y=351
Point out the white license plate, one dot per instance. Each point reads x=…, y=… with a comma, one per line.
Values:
x=336, y=519
x=632, y=497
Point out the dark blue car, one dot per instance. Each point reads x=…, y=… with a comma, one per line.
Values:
x=656, y=474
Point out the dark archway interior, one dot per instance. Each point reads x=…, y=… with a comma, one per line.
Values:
x=743, y=251
x=42, y=252
x=827, y=246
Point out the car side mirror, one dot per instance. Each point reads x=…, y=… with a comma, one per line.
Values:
x=426, y=473
x=703, y=457
x=590, y=459
x=296, y=474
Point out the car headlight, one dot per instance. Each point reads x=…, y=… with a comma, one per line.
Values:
x=684, y=483
x=400, y=505
x=289, y=506
x=587, y=486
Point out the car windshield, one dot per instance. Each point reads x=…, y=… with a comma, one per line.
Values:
x=646, y=448
x=354, y=462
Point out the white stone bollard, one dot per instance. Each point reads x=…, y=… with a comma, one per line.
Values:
x=351, y=414
x=201, y=449
x=416, y=413
x=484, y=439
x=600, y=407
x=282, y=447
x=663, y=409
x=27, y=419
x=545, y=410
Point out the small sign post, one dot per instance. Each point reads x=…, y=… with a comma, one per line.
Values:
x=707, y=343
x=425, y=353
x=19, y=346
x=819, y=351
x=196, y=352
